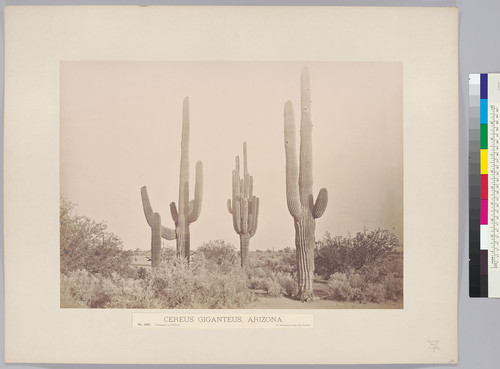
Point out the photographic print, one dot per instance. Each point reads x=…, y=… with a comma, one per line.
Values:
x=231, y=185
x=192, y=175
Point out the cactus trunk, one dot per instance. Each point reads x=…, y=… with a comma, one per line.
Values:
x=156, y=240
x=244, y=246
x=244, y=206
x=189, y=211
x=304, y=242
x=299, y=194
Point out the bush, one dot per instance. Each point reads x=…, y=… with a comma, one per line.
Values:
x=87, y=244
x=274, y=284
x=288, y=284
x=178, y=287
x=85, y=290
x=341, y=289
x=367, y=267
x=393, y=287
x=357, y=288
x=365, y=250
x=166, y=287
x=216, y=255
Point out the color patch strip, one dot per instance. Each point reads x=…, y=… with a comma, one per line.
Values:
x=475, y=185
x=484, y=211
x=484, y=171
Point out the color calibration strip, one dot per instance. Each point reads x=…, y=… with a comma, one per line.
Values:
x=484, y=191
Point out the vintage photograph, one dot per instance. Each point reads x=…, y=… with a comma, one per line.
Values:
x=231, y=185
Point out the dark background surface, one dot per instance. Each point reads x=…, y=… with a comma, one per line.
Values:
x=479, y=52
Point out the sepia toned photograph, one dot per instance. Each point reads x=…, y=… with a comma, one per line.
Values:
x=231, y=185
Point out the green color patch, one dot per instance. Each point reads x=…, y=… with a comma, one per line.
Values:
x=484, y=136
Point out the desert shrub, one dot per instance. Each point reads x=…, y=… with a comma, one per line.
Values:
x=357, y=288
x=281, y=261
x=80, y=288
x=272, y=287
x=340, y=288
x=74, y=295
x=223, y=290
x=179, y=287
x=365, y=250
x=87, y=244
x=288, y=262
x=216, y=255
x=273, y=272
x=142, y=273
x=169, y=255
x=86, y=290
x=367, y=267
x=163, y=288
x=124, y=293
x=288, y=284
x=393, y=287
x=274, y=284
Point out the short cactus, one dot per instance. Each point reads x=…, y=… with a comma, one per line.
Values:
x=244, y=206
x=188, y=212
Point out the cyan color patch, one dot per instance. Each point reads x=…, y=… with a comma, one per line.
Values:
x=484, y=111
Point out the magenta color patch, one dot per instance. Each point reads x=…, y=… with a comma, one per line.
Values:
x=484, y=211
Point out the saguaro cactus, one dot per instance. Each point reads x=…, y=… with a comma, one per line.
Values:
x=189, y=211
x=157, y=230
x=299, y=195
x=244, y=207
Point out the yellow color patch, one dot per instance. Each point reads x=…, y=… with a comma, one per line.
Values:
x=484, y=161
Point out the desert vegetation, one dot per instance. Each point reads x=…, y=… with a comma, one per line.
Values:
x=96, y=272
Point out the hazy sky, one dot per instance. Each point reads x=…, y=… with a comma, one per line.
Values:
x=121, y=130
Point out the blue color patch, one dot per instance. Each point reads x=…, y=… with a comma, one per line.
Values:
x=484, y=111
x=484, y=86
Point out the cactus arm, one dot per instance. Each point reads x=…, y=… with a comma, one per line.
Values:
x=229, y=206
x=321, y=202
x=242, y=186
x=237, y=216
x=173, y=211
x=184, y=166
x=191, y=206
x=305, y=169
x=168, y=233
x=292, y=172
x=146, y=205
x=245, y=166
x=244, y=215
x=194, y=212
x=255, y=216
x=250, y=222
x=247, y=185
x=236, y=184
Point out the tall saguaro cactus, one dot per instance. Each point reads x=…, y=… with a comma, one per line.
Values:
x=244, y=207
x=189, y=211
x=299, y=195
